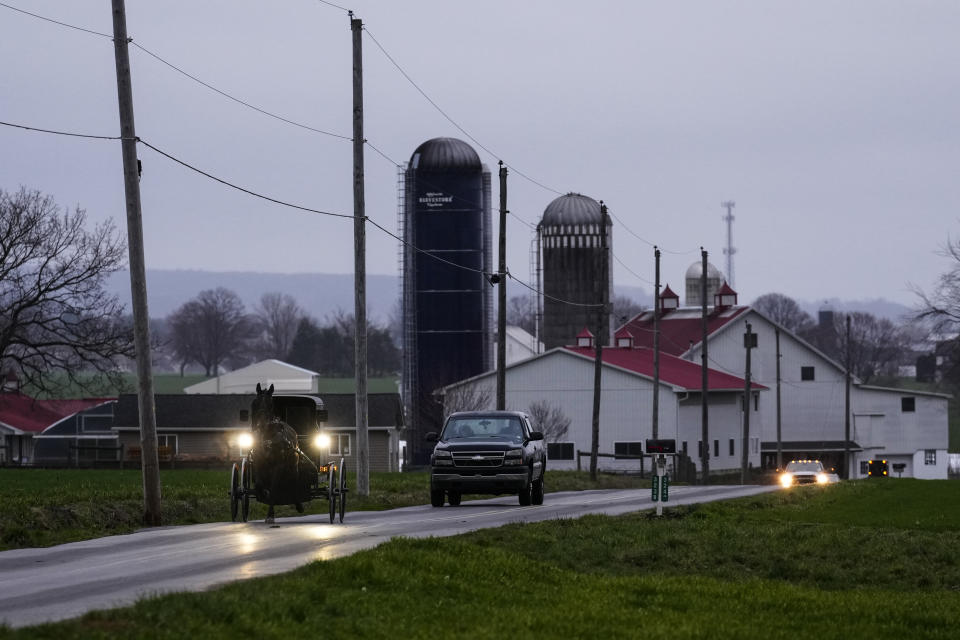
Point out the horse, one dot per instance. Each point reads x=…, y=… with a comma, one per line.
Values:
x=281, y=470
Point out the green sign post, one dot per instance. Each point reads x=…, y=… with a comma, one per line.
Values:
x=664, y=488
x=655, y=488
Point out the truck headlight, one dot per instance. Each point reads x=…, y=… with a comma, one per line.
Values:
x=822, y=478
x=513, y=457
x=786, y=479
x=245, y=440
x=442, y=458
x=322, y=441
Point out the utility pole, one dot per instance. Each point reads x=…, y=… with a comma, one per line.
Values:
x=729, y=250
x=138, y=275
x=598, y=342
x=749, y=342
x=846, y=411
x=359, y=265
x=656, y=345
x=704, y=393
x=779, y=441
x=502, y=297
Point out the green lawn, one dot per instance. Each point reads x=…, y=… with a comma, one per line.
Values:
x=856, y=560
x=42, y=507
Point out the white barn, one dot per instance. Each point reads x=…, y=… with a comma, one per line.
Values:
x=286, y=378
x=563, y=378
x=904, y=427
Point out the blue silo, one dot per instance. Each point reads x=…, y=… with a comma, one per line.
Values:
x=447, y=310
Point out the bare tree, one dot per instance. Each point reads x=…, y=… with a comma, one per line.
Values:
x=877, y=346
x=467, y=397
x=625, y=309
x=940, y=310
x=210, y=329
x=58, y=327
x=277, y=316
x=520, y=313
x=784, y=311
x=550, y=420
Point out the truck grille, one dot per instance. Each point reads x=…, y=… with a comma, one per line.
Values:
x=478, y=458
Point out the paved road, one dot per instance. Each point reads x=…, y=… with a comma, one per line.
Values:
x=40, y=585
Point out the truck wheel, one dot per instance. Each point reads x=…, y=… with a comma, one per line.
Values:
x=526, y=494
x=436, y=497
x=453, y=497
x=537, y=493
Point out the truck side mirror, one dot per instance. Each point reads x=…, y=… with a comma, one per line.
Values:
x=431, y=436
x=536, y=435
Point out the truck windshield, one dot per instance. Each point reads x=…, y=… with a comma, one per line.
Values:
x=481, y=427
x=804, y=466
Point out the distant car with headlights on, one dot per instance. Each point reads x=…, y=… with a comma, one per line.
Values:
x=806, y=472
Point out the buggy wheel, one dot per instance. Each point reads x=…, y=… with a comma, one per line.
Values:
x=245, y=483
x=331, y=493
x=234, y=491
x=342, y=484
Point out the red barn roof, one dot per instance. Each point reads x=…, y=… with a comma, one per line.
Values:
x=681, y=328
x=674, y=371
x=33, y=416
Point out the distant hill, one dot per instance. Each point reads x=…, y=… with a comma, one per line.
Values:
x=320, y=294
x=879, y=307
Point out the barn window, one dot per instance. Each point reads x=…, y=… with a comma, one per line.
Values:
x=908, y=405
x=806, y=373
x=560, y=450
x=731, y=446
x=716, y=448
x=624, y=449
x=930, y=456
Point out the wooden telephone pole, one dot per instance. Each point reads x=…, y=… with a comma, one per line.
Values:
x=656, y=346
x=359, y=265
x=704, y=390
x=502, y=297
x=149, y=458
x=749, y=342
x=598, y=341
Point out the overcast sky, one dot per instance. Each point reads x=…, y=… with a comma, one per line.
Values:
x=835, y=126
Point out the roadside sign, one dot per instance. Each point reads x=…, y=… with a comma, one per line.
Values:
x=655, y=488
x=664, y=488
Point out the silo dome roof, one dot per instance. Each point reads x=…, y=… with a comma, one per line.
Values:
x=693, y=273
x=572, y=208
x=445, y=154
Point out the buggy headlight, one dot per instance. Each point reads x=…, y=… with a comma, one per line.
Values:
x=786, y=479
x=322, y=441
x=245, y=440
x=822, y=478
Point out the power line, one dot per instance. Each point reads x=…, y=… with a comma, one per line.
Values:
x=61, y=133
x=450, y=119
x=335, y=6
x=62, y=24
x=239, y=188
x=238, y=100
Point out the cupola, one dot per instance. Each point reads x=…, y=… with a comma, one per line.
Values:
x=725, y=297
x=668, y=300
x=623, y=339
x=585, y=338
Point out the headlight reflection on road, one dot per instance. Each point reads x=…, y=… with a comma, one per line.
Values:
x=248, y=542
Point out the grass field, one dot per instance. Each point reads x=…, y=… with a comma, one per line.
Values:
x=40, y=507
x=865, y=559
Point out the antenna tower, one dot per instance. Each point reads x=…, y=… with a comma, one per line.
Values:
x=730, y=249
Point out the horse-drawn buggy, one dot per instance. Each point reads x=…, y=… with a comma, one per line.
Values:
x=275, y=468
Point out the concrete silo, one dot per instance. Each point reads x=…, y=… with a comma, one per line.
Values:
x=714, y=280
x=447, y=303
x=574, y=268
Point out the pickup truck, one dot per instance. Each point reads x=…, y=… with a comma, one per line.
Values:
x=488, y=452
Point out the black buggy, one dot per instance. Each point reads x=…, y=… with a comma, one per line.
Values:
x=276, y=468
